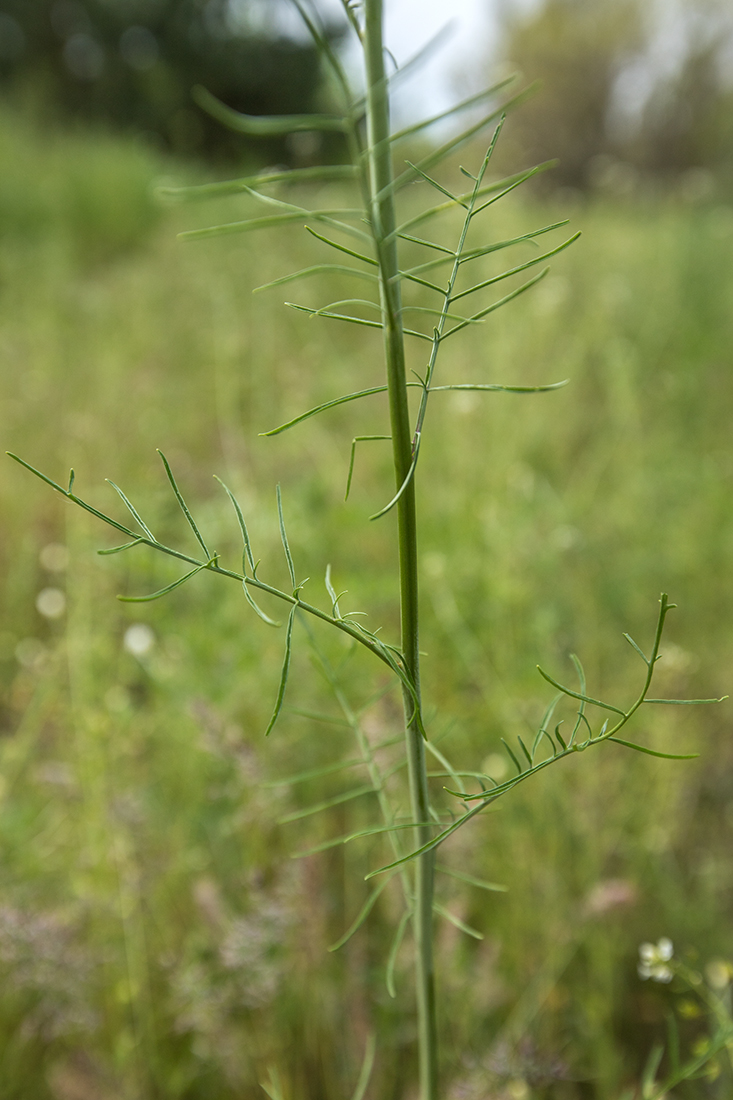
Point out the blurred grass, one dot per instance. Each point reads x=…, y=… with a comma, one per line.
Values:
x=156, y=940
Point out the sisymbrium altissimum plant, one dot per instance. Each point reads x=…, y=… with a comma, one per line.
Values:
x=372, y=239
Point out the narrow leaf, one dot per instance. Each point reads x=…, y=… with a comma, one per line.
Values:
x=494, y=887
x=332, y=593
x=394, y=951
x=361, y=916
x=423, y=282
x=428, y=847
x=70, y=496
x=376, y=830
x=438, y=755
x=442, y=151
x=184, y=507
x=33, y=470
x=270, y=221
x=357, y=792
x=119, y=549
x=366, y=1068
x=322, y=173
x=509, y=750
x=542, y=731
x=354, y=320
x=462, y=106
x=317, y=269
x=324, y=406
x=133, y=512
x=335, y=316
x=263, y=125
x=285, y=670
x=501, y=302
x=515, y=270
x=435, y=184
x=408, y=478
x=640, y=651
x=457, y=922
x=473, y=387
x=325, y=49
x=686, y=702
x=163, y=591
x=316, y=717
x=577, y=695
x=525, y=750
x=311, y=773
x=323, y=310
x=242, y=524
x=524, y=238
x=284, y=539
x=342, y=247
x=352, y=459
x=485, y=250
x=428, y=244
x=255, y=606
x=273, y=1088
x=498, y=188
x=653, y=752
x=651, y=1067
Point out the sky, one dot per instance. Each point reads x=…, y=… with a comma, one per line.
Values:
x=455, y=69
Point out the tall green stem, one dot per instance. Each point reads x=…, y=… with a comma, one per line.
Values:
x=383, y=226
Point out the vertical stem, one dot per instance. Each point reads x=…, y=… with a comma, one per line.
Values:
x=383, y=225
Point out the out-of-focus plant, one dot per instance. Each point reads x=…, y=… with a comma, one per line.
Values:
x=611, y=91
x=577, y=50
x=133, y=65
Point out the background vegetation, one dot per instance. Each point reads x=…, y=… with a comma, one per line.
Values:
x=634, y=94
x=132, y=64
x=156, y=938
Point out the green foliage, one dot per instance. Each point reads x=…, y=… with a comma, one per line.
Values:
x=92, y=197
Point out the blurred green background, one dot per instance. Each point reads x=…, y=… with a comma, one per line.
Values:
x=157, y=940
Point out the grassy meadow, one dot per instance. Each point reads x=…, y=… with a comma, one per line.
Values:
x=157, y=939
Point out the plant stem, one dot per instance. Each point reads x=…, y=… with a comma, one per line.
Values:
x=383, y=226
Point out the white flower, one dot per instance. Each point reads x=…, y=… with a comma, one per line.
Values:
x=653, y=960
